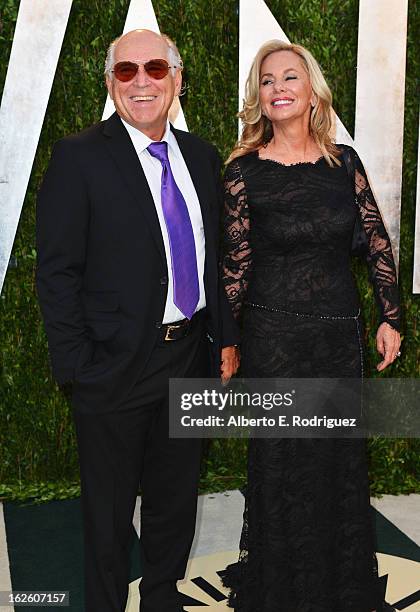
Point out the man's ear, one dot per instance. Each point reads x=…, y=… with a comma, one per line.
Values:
x=178, y=82
x=108, y=82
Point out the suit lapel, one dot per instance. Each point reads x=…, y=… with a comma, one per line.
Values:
x=124, y=154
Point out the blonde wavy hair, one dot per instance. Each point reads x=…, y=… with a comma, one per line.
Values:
x=258, y=130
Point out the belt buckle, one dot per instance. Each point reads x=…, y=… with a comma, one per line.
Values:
x=168, y=330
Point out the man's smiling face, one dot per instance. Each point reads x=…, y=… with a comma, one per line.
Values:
x=144, y=102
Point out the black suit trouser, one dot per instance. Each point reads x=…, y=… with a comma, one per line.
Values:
x=122, y=449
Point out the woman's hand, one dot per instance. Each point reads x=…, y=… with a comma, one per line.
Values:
x=229, y=363
x=388, y=343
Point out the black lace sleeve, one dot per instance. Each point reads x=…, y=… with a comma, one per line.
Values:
x=379, y=257
x=236, y=254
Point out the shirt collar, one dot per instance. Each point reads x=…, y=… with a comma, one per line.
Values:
x=141, y=141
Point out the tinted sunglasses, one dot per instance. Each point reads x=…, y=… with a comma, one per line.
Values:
x=154, y=68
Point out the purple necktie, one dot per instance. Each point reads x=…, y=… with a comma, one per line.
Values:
x=181, y=237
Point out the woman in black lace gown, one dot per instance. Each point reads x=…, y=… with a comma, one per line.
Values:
x=291, y=205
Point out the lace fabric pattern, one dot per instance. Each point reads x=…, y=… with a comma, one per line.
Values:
x=379, y=258
x=307, y=542
x=237, y=259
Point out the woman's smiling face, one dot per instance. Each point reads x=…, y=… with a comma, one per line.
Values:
x=285, y=88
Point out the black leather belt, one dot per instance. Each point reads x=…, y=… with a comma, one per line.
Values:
x=179, y=329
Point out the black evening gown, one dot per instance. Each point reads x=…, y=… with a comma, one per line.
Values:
x=307, y=541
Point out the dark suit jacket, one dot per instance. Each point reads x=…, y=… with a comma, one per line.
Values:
x=101, y=267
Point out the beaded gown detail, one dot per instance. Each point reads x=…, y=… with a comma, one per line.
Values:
x=307, y=541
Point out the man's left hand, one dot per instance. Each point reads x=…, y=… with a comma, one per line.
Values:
x=230, y=361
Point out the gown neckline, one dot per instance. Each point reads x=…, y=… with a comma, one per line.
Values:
x=275, y=161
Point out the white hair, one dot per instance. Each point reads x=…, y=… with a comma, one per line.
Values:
x=174, y=57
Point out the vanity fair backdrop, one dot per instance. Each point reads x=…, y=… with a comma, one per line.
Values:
x=38, y=455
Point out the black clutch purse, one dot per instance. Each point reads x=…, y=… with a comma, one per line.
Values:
x=359, y=245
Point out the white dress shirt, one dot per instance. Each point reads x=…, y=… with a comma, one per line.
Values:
x=153, y=170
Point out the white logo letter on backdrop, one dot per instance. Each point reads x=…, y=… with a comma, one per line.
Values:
x=37, y=41
x=380, y=90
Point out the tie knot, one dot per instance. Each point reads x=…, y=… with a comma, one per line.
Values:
x=159, y=150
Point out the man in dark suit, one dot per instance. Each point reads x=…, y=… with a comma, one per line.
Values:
x=127, y=277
